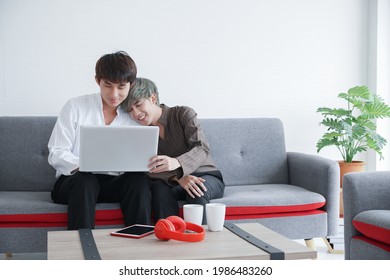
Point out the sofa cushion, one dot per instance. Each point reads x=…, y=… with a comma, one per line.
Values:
x=367, y=245
x=24, y=152
x=248, y=151
x=21, y=209
x=26, y=209
x=257, y=200
x=364, y=248
x=374, y=224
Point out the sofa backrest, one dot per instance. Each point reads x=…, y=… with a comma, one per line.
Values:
x=24, y=152
x=248, y=151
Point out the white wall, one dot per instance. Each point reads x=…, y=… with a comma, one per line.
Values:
x=225, y=58
x=383, y=81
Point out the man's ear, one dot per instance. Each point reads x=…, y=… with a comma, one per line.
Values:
x=153, y=98
x=97, y=80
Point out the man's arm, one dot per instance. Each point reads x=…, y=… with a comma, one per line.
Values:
x=62, y=141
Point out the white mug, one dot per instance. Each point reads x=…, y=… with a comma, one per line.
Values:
x=193, y=213
x=215, y=214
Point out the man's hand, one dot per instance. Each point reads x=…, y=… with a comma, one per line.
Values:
x=159, y=164
x=193, y=185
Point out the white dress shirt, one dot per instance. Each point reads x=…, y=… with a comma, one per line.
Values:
x=64, y=143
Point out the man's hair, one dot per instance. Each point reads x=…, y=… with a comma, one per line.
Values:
x=142, y=89
x=116, y=67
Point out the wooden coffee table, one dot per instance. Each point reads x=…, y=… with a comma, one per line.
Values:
x=65, y=245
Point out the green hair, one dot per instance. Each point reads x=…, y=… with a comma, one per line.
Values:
x=141, y=89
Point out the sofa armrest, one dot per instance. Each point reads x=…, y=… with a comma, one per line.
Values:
x=363, y=191
x=320, y=175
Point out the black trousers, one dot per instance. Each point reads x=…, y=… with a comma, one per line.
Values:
x=165, y=197
x=83, y=190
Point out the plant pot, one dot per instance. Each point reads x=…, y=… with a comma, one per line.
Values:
x=347, y=167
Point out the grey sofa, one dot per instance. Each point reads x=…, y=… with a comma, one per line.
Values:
x=366, y=198
x=294, y=194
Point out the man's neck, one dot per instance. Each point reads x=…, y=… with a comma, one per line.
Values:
x=109, y=114
x=158, y=115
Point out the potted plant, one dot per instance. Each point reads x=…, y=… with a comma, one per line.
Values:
x=353, y=129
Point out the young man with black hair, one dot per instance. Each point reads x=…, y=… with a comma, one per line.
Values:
x=115, y=73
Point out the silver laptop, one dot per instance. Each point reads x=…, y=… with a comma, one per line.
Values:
x=117, y=148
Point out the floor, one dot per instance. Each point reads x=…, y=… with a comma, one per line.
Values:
x=322, y=250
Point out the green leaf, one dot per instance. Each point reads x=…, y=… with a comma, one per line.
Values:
x=322, y=143
x=376, y=109
x=353, y=129
x=333, y=112
x=360, y=93
x=333, y=124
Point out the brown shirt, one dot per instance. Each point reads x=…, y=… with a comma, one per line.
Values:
x=184, y=140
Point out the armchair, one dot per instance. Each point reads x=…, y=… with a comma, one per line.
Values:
x=366, y=198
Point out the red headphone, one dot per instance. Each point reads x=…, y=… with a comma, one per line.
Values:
x=174, y=227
